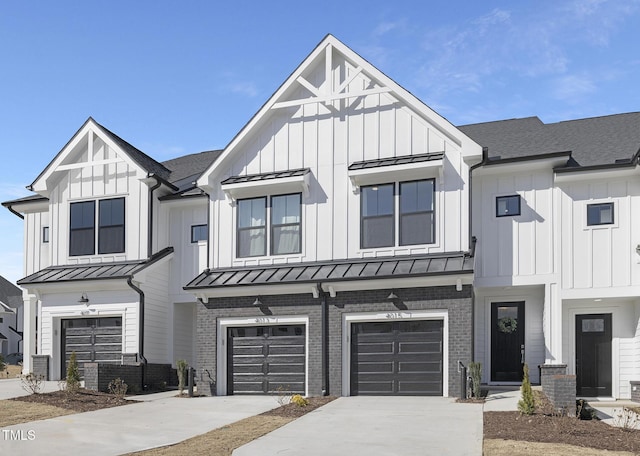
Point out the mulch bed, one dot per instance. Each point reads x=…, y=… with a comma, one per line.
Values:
x=545, y=426
x=80, y=401
x=295, y=411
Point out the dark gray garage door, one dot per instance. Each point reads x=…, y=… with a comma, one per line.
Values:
x=397, y=358
x=93, y=339
x=266, y=359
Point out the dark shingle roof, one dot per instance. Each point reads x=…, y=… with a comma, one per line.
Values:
x=190, y=166
x=592, y=141
x=265, y=176
x=333, y=271
x=9, y=293
x=93, y=271
x=403, y=160
x=142, y=159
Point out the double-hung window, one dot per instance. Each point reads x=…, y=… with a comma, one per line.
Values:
x=414, y=203
x=110, y=232
x=281, y=214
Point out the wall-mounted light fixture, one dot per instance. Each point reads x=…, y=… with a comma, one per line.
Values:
x=459, y=285
x=392, y=296
x=84, y=299
x=638, y=249
x=257, y=302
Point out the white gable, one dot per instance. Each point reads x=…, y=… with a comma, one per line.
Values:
x=334, y=82
x=91, y=154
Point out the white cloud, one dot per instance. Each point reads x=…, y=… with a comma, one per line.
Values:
x=572, y=88
x=244, y=88
x=13, y=191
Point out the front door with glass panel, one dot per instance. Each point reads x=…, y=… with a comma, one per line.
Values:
x=507, y=341
x=593, y=355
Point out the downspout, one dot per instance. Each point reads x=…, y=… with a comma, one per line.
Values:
x=13, y=211
x=151, y=190
x=472, y=243
x=325, y=340
x=209, y=228
x=143, y=360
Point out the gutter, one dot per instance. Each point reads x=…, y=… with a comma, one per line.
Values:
x=12, y=210
x=324, y=312
x=485, y=160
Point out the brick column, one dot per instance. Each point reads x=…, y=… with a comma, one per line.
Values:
x=40, y=365
x=635, y=391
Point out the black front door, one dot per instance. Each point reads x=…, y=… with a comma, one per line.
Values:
x=593, y=355
x=507, y=341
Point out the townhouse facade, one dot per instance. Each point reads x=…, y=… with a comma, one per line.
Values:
x=348, y=240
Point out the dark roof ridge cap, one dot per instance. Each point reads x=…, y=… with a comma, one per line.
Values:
x=502, y=120
x=595, y=117
x=544, y=156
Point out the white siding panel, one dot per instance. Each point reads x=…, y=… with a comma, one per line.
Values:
x=157, y=317
x=184, y=331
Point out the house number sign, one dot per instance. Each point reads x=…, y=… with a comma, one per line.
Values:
x=397, y=315
x=266, y=320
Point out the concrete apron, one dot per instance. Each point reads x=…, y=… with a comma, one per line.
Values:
x=362, y=425
x=129, y=428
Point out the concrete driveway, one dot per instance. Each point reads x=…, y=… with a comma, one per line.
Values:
x=378, y=426
x=157, y=421
x=12, y=387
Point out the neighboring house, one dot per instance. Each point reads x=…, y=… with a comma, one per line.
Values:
x=331, y=247
x=10, y=318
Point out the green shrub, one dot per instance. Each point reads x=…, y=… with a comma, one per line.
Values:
x=73, y=374
x=475, y=372
x=182, y=367
x=526, y=405
x=299, y=400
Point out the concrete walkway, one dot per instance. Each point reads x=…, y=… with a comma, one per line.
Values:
x=502, y=399
x=156, y=421
x=12, y=387
x=373, y=426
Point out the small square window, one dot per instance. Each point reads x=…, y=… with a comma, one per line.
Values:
x=507, y=205
x=199, y=233
x=599, y=214
x=45, y=234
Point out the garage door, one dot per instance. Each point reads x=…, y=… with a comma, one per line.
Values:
x=266, y=359
x=397, y=358
x=93, y=340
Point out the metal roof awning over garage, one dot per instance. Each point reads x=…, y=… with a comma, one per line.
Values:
x=94, y=271
x=340, y=271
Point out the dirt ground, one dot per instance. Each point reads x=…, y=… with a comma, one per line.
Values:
x=15, y=412
x=224, y=440
x=506, y=431
x=81, y=401
x=493, y=447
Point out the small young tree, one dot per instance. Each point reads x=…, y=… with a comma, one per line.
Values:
x=526, y=405
x=182, y=374
x=3, y=366
x=475, y=372
x=73, y=375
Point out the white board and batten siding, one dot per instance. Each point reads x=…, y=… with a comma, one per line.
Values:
x=514, y=249
x=189, y=259
x=94, y=182
x=602, y=256
x=59, y=306
x=37, y=254
x=184, y=333
x=157, y=314
x=328, y=140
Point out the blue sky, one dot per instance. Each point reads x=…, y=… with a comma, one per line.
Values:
x=179, y=77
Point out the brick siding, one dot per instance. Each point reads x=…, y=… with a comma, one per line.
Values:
x=40, y=365
x=458, y=305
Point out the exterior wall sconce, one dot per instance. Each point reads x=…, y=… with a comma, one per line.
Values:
x=392, y=296
x=459, y=285
x=638, y=249
x=84, y=299
x=257, y=302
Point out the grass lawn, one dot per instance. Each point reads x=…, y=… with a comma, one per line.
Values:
x=10, y=372
x=17, y=412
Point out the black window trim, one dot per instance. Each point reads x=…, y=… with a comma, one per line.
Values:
x=600, y=223
x=510, y=214
x=199, y=225
x=268, y=226
x=124, y=235
x=433, y=211
x=273, y=225
x=372, y=217
x=96, y=226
